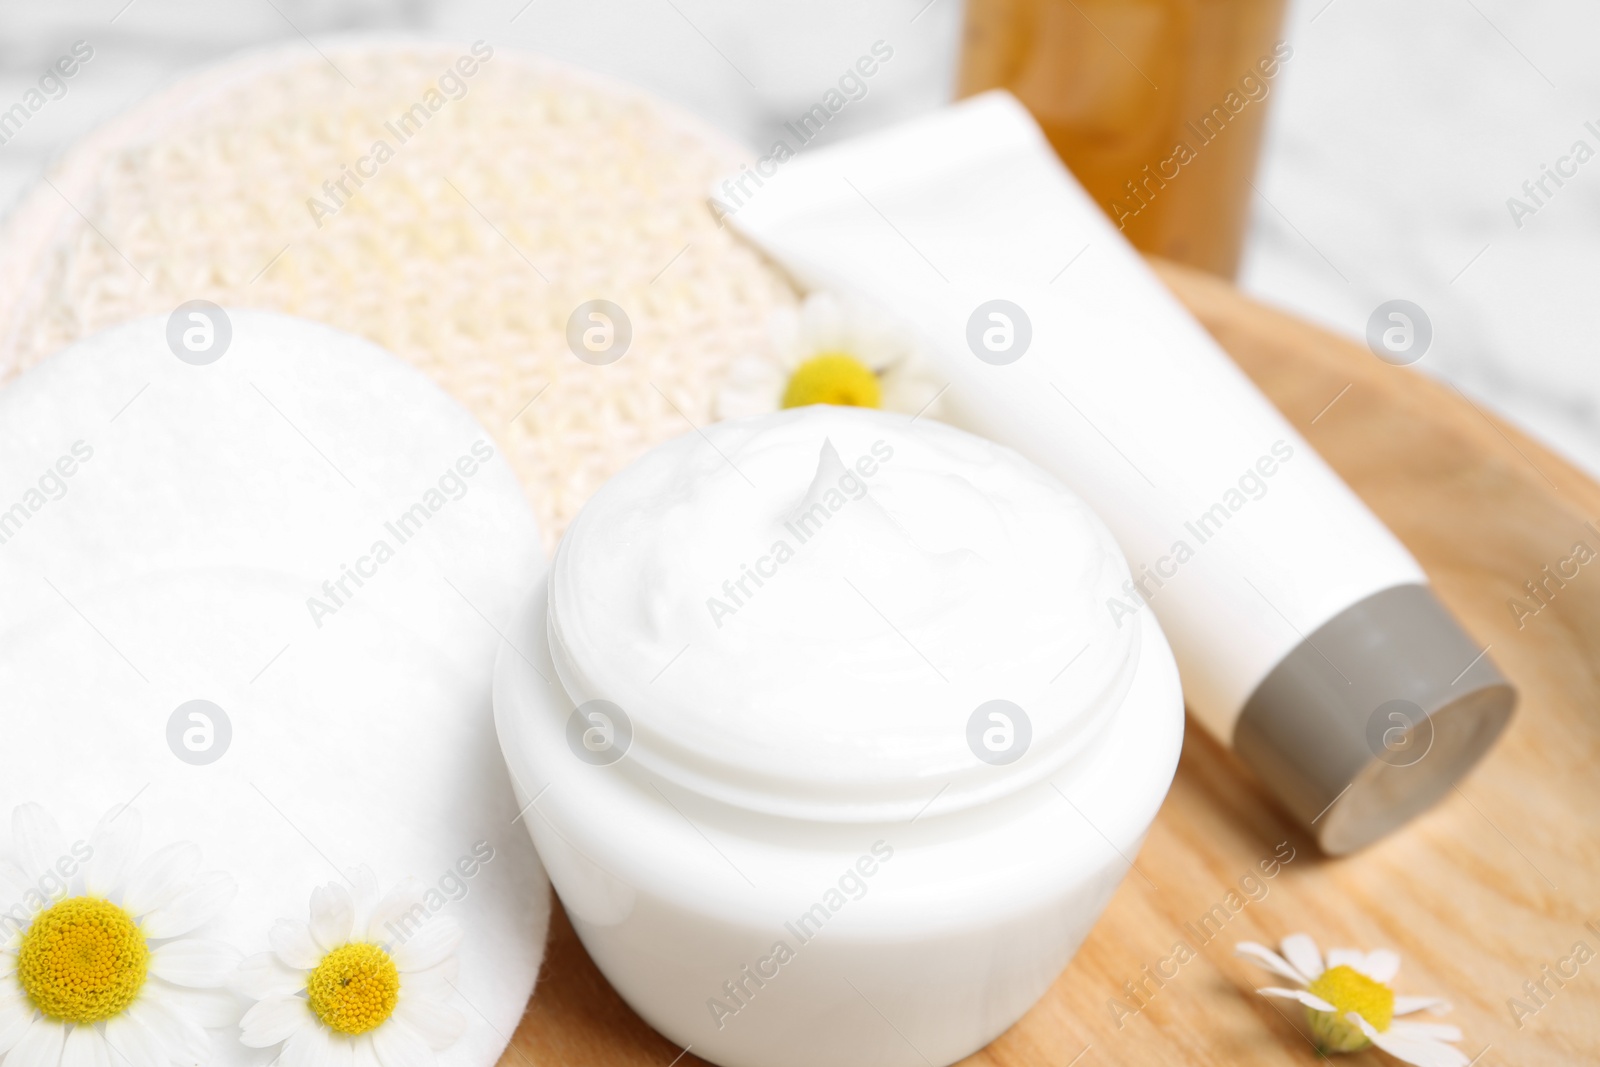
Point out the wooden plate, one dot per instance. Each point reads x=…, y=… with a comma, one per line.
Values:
x=1479, y=896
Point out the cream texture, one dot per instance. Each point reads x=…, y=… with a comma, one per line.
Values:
x=799, y=612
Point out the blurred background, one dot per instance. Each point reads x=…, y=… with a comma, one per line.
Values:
x=1398, y=143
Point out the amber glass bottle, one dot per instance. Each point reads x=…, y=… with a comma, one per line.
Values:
x=1157, y=106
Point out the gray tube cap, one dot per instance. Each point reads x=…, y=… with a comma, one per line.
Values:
x=1374, y=717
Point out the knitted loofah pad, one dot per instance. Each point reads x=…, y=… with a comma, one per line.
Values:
x=511, y=197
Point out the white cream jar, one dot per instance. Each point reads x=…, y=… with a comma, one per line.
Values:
x=825, y=738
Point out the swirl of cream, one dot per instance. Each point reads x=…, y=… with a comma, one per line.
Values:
x=801, y=612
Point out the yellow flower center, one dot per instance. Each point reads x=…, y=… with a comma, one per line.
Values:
x=832, y=378
x=1347, y=989
x=82, y=960
x=355, y=988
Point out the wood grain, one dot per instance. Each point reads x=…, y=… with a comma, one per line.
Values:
x=1478, y=895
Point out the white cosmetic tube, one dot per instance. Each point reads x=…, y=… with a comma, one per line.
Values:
x=1306, y=635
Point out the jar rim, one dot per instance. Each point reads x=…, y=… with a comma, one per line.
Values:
x=996, y=657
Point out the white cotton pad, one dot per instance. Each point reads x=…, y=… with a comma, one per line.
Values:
x=168, y=530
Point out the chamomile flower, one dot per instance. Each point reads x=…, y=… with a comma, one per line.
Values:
x=830, y=351
x=1350, y=1005
x=364, y=983
x=95, y=963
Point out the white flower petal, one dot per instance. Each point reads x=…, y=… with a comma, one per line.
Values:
x=85, y=1047
x=13, y=924
x=274, y=1019
x=133, y=1044
x=1346, y=957
x=1407, y=1005
x=741, y=402
x=754, y=386
x=912, y=393
x=307, y=1047
x=1433, y=1031
x=264, y=975
x=830, y=322
x=826, y=323
x=160, y=877
x=292, y=941
x=40, y=1045
x=333, y=916
x=190, y=909
x=196, y=963
x=1269, y=959
x=14, y=881
x=1310, y=1000
x=433, y=983
x=340, y=1051
x=432, y=944
x=1381, y=965
x=113, y=844
x=880, y=339
x=179, y=1037
x=820, y=315
x=1302, y=954
x=363, y=890
x=882, y=355
x=1420, y=1051
x=16, y=1015
x=362, y=1052
x=783, y=327
x=437, y=1024
x=318, y=1047
x=211, y=1008
x=397, y=1045
x=38, y=839
x=400, y=909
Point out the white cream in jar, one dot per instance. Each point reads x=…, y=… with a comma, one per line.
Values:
x=822, y=727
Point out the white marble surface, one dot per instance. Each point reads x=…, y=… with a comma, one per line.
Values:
x=1398, y=133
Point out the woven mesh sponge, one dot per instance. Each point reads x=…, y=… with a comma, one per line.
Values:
x=528, y=190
